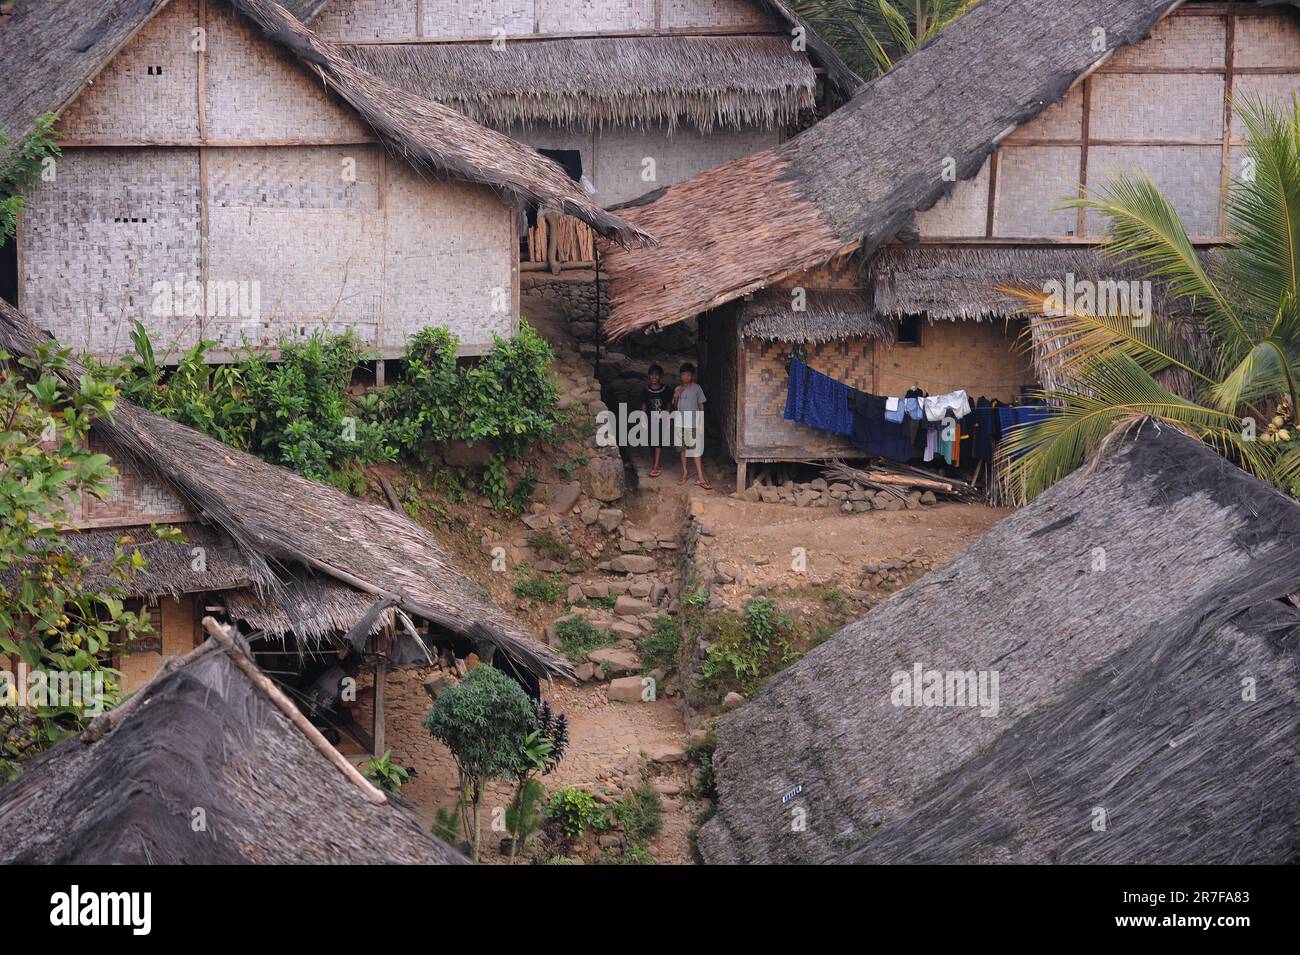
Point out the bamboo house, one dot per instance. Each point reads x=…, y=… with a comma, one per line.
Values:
x=210, y=764
x=228, y=175
x=1145, y=707
x=938, y=183
x=323, y=583
x=630, y=97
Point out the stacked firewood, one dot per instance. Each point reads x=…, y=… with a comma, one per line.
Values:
x=901, y=480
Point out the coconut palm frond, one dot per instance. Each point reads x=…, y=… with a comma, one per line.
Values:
x=1262, y=372
x=1264, y=209
x=1144, y=228
x=871, y=35
x=1110, y=393
x=1075, y=338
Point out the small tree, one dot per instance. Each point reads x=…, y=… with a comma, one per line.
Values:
x=543, y=749
x=485, y=721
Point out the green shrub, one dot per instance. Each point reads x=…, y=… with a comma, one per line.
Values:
x=572, y=811
x=578, y=636
x=549, y=545
x=536, y=585
x=641, y=814
x=661, y=646
x=383, y=773
x=746, y=650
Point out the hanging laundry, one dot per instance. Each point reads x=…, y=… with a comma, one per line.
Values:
x=954, y=402
x=1012, y=418
x=874, y=434
x=817, y=400
x=894, y=409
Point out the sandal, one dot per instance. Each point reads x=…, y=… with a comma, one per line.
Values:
x=683, y=479
x=655, y=472
x=705, y=484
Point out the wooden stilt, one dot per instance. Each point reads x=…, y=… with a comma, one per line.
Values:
x=384, y=642
x=741, y=467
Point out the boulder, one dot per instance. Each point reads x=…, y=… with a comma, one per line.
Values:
x=665, y=752
x=589, y=514
x=605, y=477
x=633, y=564
x=627, y=606
x=462, y=454
x=732, y=700
x=564, y=496
x=610, y=518
x=625, y=689
x=439, y=683
x=613, y=661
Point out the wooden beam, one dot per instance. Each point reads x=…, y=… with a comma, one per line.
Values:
x=1085, y=129
x=993, y=195
x=1225, y=170
x=73, y=143
x=204, y=212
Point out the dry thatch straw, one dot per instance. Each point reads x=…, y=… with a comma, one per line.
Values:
x=203, y=734
x=283, y=523
x=1100, y=667
x=855, y=179
x=594, y=82
x=64, y=44
x=828, y=314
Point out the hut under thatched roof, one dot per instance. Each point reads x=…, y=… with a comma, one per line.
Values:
x=1124, y=612
x=67, y=43
x=208, y=734
x=276, y=528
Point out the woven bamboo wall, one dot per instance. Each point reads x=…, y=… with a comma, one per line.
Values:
x=331, y=231
x=134, y=499
x=409, y=19
x=764, y=428
x=1156, y=108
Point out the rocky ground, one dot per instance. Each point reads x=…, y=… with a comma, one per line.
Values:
x=615, y=547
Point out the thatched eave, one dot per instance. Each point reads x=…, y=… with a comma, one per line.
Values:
x=827, y=315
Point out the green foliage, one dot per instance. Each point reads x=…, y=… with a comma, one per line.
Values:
x=524, y=814
x=578, y=636
x=384, y=774
x=1222, y=378
x=447, y=824
x=641, y=814
x=871, y=35
x=746, y=650
x=51, y=619
x=21, y=164
x=662, y=645
x=706, y=784
x=536, y=585
x=572, y=811
x=549, y=545
x=209, y=398
x=485, y=720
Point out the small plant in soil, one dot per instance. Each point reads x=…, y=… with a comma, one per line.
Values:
x=579, y=636
x=570, y=813
x=662, y=645
x=549, y=545
x=385, y=774
x=641, y=814
x=542, y=751
x=535, y=585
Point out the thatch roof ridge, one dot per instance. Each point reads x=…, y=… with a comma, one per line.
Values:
x=594, y=82
x=202, y=734
x=855, y=180
x=72, y=41
x=279, y=518
x=1187, y=541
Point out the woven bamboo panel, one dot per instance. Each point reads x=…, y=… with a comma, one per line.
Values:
x=1169, y=106
x=255, y=91
x=149, y=90
x=617, y=166
x=594, y=16
x=1275, y=89
x=709, y=13
x=479, y=17
x=95, y=240
x=1267, y=41
x=134, y=498
x=367, y=19
x=450, y=260
x=847, y=360
x=1031, y=182
x=963, y=212
x=1180, y=41
x=1187, y=175
x=1060, y=120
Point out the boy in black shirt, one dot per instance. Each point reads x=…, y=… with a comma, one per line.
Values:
x=654, y=397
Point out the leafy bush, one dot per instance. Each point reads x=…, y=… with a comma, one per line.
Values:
x=485, y=720
x=21, y=164
x=641, y=814
x=578, y=636
x=383, y=773
x=661, y=646
x=549, y=545
x=572, y=811
x=536, y=585
x=747, y=649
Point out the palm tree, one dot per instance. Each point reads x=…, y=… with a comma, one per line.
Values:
x=1223, y=362
x=871, y=35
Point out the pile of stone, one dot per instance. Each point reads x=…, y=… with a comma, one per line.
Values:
x=847, y=496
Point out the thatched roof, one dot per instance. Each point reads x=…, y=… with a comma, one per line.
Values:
x=279, y=519
x=62, y=45
x=170, y=571
x=594, y=82
x=1099, y=670
x=828, y=314
x=203, y=735
x=855, y=179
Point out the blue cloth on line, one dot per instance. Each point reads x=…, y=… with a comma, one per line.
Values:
x=1014, y=417
x=896, y=415
x=817, y=400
